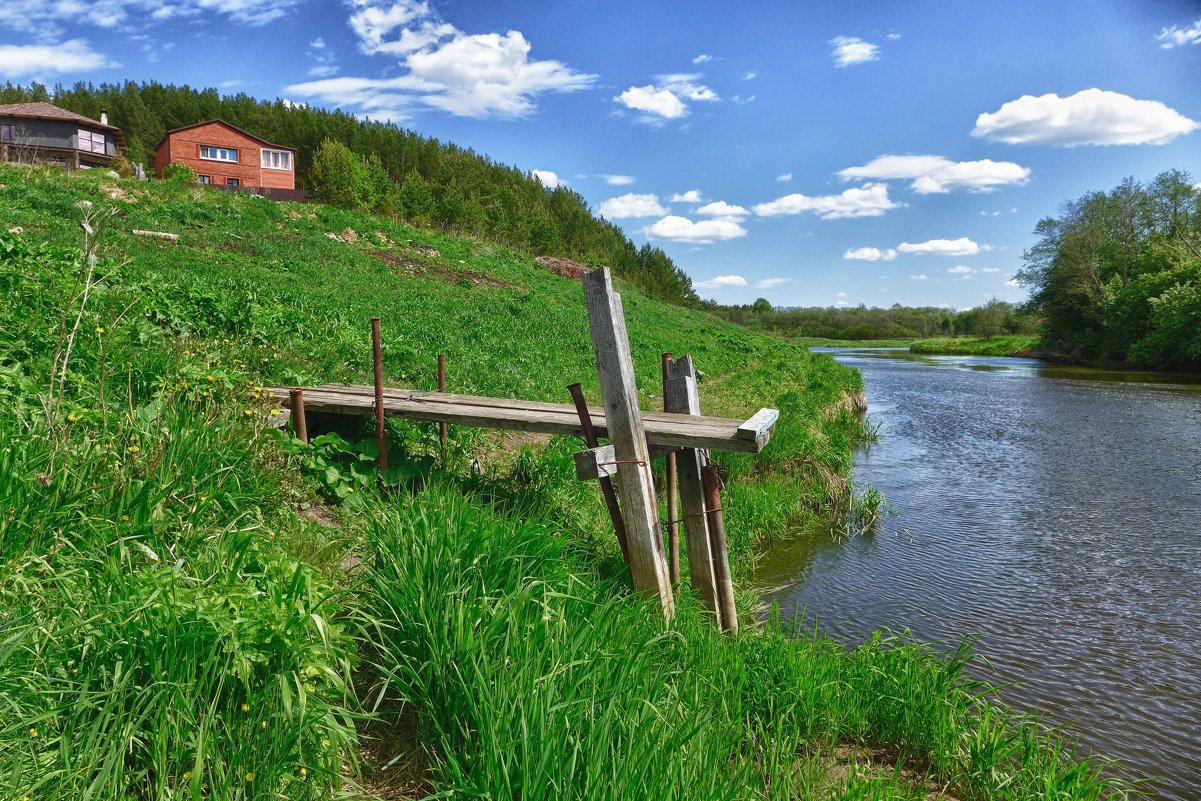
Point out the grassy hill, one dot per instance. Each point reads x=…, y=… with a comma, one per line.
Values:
x=193, y=606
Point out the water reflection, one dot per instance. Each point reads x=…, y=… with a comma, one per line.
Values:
x=1053, y=510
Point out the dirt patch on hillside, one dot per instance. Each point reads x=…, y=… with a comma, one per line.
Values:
x=565, y=268
x=406, y=266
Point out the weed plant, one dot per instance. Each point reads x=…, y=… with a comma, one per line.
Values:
x=192, y=607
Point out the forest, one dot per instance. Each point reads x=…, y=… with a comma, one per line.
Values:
x=1117, y=275
x=379, y=167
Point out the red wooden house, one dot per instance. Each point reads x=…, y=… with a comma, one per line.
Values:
x=224, y=155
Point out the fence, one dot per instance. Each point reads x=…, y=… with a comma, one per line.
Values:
x=271, y=193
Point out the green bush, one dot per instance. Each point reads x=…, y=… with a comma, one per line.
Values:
x=180, y=173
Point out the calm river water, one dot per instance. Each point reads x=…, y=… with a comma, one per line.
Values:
x=1056, y=512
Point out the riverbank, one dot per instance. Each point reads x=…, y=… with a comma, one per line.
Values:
x=196, y=607
x=1024, y=346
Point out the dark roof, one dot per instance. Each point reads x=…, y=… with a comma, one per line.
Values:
x=247, y=134
x=45, y=111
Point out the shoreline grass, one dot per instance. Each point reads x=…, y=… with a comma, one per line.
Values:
x=191, y=610
x=1023, y=346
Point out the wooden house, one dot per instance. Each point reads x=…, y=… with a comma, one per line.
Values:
x=43, y=132
x=224, y=155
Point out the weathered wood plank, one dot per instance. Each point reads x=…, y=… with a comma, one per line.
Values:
x=601, y=461
x=760, y=425
x=680, y=395
x=548, y=418
x=615, y=367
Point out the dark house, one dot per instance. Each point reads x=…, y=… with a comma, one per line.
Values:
x=48, y=133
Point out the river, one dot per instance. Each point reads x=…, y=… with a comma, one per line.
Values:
x=1056, y=512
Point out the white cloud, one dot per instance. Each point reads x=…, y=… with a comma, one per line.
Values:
x=1089, y=117
x=750, y=76
x=1179, y=37
x=42, y=18
x=932, y=174
x=681, y=229
x=631, y=205
x=720, y=282
x=785, y=177
x=548, y=178
x=943, y=247
x=871, y=254
x=652, y=101
x=771, y=283
x=869, y=200
x=664, y=100
x=467, y=75
x=990, y=270
x=723, y=210
x=841, y=295
x=325, y=63
x=921, y=277
x=619, y=180
x=21, y=61
x=841, y=303
x=850, y=50
x=1012, y=282
x=702, y=58
x=959, y=268
x=691, y=196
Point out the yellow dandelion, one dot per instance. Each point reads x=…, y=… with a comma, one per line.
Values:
x=350, y=489
x=185, y=385
x=71, y=418
x=187, y=774
x=304, y=772
x=134, y=449
x=264, y=724
x=276, y=411
x=99, y=330
x=245, y=707
x=125, y=518
x=210, y=378
x=33, y=732
x=250, y=776
x=249, y=412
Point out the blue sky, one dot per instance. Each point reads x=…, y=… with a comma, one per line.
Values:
x=813, y=153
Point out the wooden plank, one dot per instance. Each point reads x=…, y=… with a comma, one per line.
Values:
x=549, y=418
x=760, y=425
x=680, y=395
x=615, y=367
x=601, y=461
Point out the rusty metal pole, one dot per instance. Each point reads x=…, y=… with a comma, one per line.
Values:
x=606, y=483
x=721, y=555
x=673, y=524
x=442, y=388
x=296, y=401
x=379, y=395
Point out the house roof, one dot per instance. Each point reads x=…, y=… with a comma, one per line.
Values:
x=46, y=111
x=235, y=128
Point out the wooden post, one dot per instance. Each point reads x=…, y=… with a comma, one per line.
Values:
x=296, y=401
x=721, y=556
x=673, y=523
x=623, y=418
x=442, y=388
x=606, y=484
x=681, y=398
x=379, y=395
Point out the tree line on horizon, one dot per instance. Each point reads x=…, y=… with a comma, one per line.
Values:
x=382, y=168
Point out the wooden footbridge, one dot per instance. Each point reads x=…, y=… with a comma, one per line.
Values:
x=680, y=433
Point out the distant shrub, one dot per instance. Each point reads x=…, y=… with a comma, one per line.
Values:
x=180, y=173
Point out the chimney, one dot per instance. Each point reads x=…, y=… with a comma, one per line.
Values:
x=104, y=116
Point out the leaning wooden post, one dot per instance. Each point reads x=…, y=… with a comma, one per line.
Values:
x=379, y=395
x=442, y=388
x=681, y=398
x=623, y=419
x=721, y=556
x=606, y=483
x=296, y=402
x=673, y=523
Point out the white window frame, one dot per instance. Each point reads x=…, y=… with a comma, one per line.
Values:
x=91, y=141
x=205, y=179
x=214, y=153
x=267, y=155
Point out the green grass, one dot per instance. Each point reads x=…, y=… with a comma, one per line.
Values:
x=190, y=609
x=823, y=342
x=997, y=346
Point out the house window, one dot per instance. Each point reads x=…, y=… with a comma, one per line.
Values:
x=8, y=133
x=218, y=153
x=204, y=179
x=277, y=159
x=91, y=141
x=232, y=182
